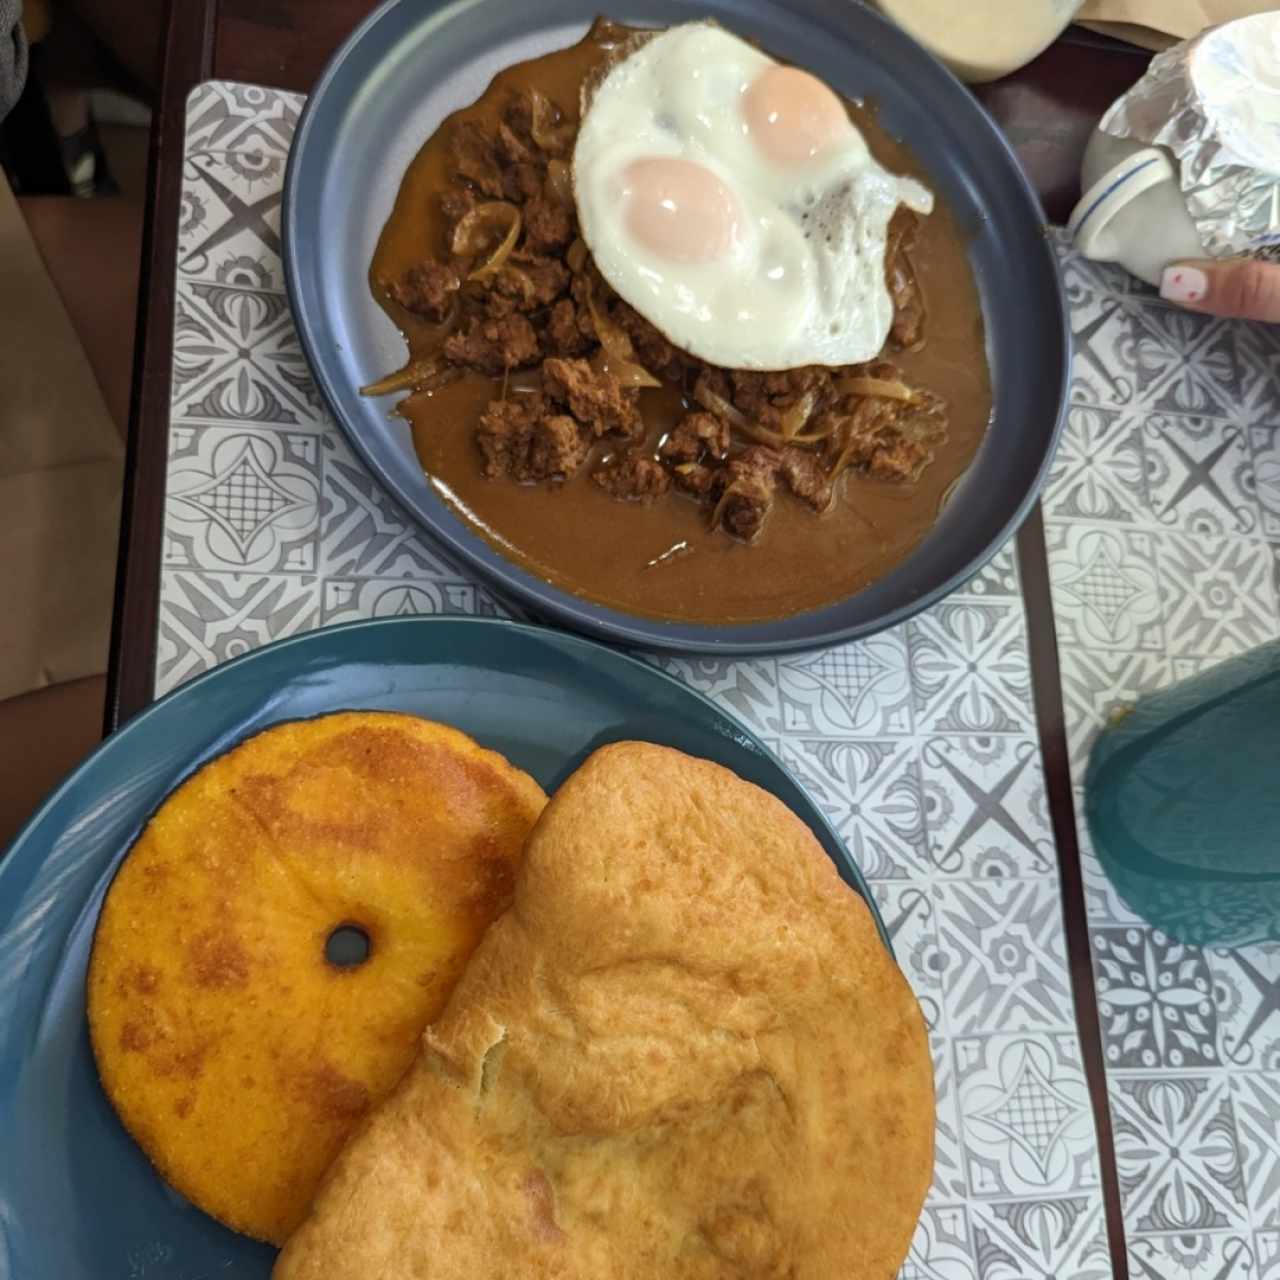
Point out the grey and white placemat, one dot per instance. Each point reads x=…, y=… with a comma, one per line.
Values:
x=1163, y=526
x=920, y=743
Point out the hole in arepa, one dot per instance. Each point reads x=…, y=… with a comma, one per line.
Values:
x=347, y=946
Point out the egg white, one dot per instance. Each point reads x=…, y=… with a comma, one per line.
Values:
x=804, y=280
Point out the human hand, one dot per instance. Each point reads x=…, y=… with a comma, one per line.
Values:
x=1238, y=287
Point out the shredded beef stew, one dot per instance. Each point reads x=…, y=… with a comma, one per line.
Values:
x=517, y=298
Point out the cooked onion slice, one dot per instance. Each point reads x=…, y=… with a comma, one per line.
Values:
x=795, y=417
x=559, y=186
x=625, y=372
x=775, y=440
x=480, y=227
x=612, y=338
x=428, y=338
x=425, y=374
x=617, y=356
x=721, y=407
x=718, y=510
x=718, y=405
x=546, y=127
x=858, y=427
x=842, y=460
x=734, y=489
x=882, y=388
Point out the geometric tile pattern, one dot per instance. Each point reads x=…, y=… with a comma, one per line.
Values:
x=1025, y=1106
x=1043, y=1239
x=1154, y=1000
x=1163, y=527
x=920, y=744
x=1181, y=1167
x=271, y=525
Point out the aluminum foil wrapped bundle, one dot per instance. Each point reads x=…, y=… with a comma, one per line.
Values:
x=1214, y=103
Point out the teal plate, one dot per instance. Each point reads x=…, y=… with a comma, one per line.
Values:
x=78, y=1200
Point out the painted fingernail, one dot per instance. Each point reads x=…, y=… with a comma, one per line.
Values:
x=1183, y=284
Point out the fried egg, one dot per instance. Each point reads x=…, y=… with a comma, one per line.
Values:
x=734, y=204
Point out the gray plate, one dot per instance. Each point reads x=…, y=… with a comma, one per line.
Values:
x=411, y=63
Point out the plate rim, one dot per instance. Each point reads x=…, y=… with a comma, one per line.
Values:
x=9, y=859
x=580, y=614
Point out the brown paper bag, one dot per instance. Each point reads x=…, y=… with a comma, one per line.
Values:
x=1156, y=24
x=61, y=465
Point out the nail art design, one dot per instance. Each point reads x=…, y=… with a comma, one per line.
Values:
x=1183, y=284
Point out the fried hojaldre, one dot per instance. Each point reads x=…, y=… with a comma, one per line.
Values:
x=683, y=1053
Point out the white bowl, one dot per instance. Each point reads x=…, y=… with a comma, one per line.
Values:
x=1132, y=211
x=982, y=40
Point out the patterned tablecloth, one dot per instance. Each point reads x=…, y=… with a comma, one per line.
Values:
x=920, y=743
x=1163, y=527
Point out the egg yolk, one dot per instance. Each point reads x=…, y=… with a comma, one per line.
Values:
x=679, y=209
x=792, y=115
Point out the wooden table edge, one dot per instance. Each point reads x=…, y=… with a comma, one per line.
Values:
x=188, y=59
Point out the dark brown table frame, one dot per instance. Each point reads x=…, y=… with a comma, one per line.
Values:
x=1047, y=111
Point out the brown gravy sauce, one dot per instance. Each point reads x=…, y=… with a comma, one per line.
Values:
x=661, y=559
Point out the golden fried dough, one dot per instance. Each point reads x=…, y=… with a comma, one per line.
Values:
x=235, y=1053
x=683, y=1053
